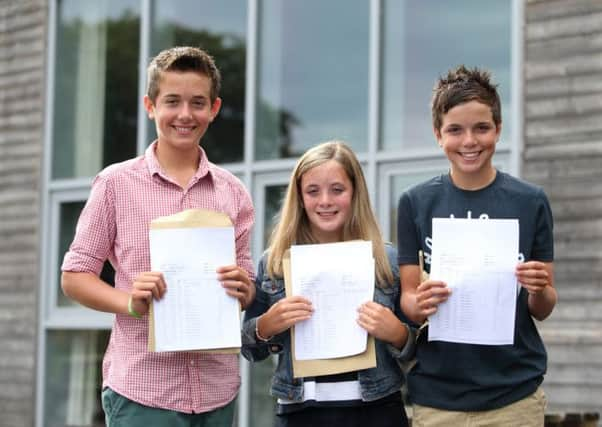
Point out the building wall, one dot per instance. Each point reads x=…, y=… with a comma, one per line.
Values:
x=563, y=153
x=22, y=59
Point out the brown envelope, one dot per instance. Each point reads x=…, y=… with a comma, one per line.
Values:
x=311, y=368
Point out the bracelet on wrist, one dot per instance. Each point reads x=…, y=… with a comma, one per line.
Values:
x=131, y=310
x=257, y=334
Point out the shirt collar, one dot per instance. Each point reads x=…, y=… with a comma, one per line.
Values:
x=150, y=156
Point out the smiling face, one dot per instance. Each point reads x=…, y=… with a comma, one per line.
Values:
x=468, y=136
x=182, y=109
x=327, y=193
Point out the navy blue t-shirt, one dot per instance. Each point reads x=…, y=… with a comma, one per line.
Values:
x=469, y=377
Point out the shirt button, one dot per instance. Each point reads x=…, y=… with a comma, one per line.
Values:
x=192, y=363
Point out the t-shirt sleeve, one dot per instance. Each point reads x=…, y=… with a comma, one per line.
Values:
x=407, y=234
x=543, y=244
x=94, y=233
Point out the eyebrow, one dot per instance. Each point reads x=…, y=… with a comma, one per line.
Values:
x=175, y=95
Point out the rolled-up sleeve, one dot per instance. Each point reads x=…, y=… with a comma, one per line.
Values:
x=94, y=233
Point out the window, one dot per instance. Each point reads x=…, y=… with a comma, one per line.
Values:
x=95, y=88
x=421, y=41
x=73, y=389
x=312, y=75
x=219, y=27
x=94, y=124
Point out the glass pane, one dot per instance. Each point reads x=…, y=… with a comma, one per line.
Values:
x=400, y=183
x=73, y=378
x=220, y=28
x=274, y=196
x=69, y=214
x=263, y=406
x=96, y=85
x=313, y=75
x=421, y=41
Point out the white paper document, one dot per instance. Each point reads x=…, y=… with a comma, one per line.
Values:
x=477, y=259
x=337, y=278
x=195, y=312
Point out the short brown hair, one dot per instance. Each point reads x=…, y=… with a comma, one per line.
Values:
x=182, y=58
x=462, y=85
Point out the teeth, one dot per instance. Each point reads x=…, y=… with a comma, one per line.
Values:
x=470, y=156
x=179, y=129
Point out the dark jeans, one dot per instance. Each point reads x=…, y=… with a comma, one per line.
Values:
x=389, y=414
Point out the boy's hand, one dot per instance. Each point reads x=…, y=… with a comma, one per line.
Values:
x=533, y=276
x=380, y=322
x=146, y=286
x=237, y=284
x=284, y=314
x=429, y=295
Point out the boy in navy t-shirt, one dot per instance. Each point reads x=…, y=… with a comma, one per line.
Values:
x=466, y=384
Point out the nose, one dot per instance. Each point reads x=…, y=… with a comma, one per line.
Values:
x=184, y=112
x=471, y=138
x=324, y=198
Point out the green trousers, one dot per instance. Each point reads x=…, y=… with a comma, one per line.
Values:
x=122, y=412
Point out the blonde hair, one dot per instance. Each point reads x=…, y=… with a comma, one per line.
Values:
x=293, y=228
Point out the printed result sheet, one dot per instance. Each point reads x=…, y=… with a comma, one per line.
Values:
x=195, y=313
x=337, y=278
x=477, y=259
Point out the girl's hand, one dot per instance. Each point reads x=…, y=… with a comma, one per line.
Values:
x=284, y=314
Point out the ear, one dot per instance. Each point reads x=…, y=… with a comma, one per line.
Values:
x=498, y=132
x=149, y=107
x=437, y=133
x=217, y=104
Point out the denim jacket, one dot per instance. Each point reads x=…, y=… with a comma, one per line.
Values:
x=375, y=383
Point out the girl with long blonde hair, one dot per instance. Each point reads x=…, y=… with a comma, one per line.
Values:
x=327, y=201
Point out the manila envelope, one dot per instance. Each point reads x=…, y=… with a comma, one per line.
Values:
x=312, y=368
x=190, y=218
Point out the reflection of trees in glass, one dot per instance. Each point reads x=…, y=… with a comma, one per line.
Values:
x=121, y=102
x=274, y=132
x=121, y=90
x=274, y=196
x=61, y=354
x=224, y=140
x=66, y=42
x=263, y=406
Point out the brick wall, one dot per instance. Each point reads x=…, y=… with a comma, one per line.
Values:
x=22, y=62
x=563, y=153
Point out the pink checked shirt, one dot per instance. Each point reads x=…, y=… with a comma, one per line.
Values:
x=125, y=197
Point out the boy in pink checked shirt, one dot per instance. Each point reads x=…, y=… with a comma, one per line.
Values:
x=142, y=388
